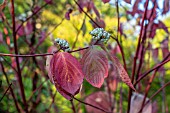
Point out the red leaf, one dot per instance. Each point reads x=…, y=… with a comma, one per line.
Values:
x=67, y=14
x=121, y=72
x=95, y=66
x=105, y=1
x=66, y=72
x=98, y=99
x=128, y=1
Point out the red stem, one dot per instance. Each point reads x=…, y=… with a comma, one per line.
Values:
x=148, y=88
x=118, y=29
x=73, y=107
x=17, y=58
x=136, y=56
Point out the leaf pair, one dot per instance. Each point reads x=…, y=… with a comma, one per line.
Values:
x=67, y=73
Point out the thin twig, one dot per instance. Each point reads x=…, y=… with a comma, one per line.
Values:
x=36, y=55
x=53, y=99
x=91, y=105
x=168, y=83
x=156, y=67
x=11, y=90
x=39, y=87
x=6, y=91
x=158, y=91
x=148, y=88
x=50, y=32
x=34, y=13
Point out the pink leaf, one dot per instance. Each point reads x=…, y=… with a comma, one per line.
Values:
x=128, y=1
x=98, y=99
x=95, y=66
x=66, y=72
x=67, y=14
x=105, y=1
x=122, y=73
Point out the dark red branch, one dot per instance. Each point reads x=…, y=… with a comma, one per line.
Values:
x=165, y=85
x=6, y=91
x=17, y=58
x=73, y=107
x=156, y=67
x=136, y=56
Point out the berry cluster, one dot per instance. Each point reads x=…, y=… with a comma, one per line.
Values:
x=100, y=34
x=63, y=44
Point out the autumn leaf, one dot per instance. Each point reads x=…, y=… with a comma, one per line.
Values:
x=105, y=1
x=67, y=73
x=95, y=66
x=122, y=72
x=98, y=99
